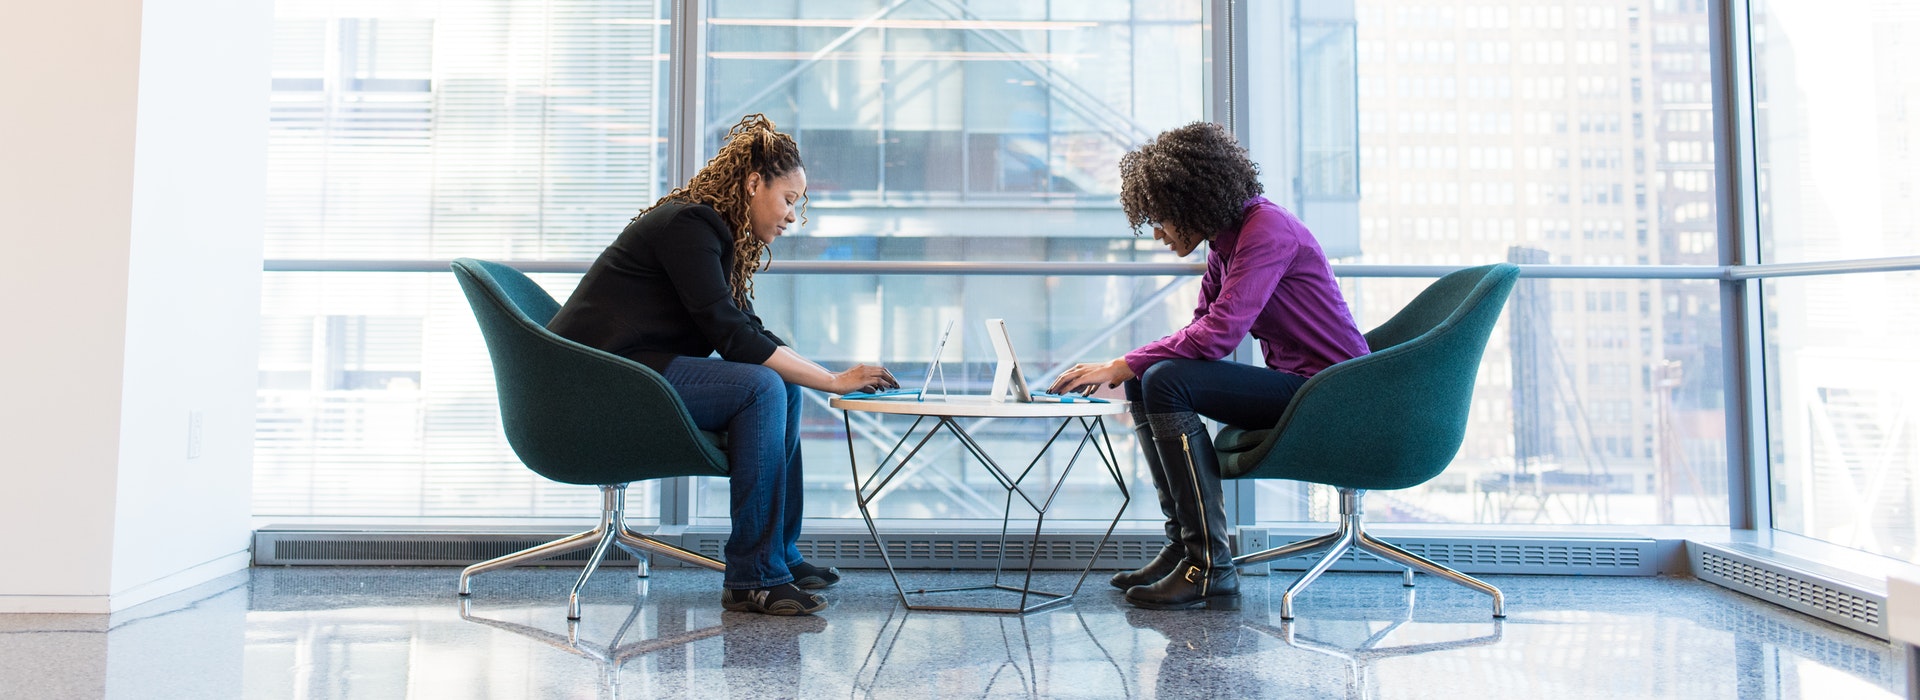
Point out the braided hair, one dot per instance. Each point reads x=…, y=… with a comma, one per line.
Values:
x=1195, y=177
x=752, y=146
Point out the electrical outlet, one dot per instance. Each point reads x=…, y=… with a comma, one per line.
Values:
x=193, y=434
x=1254, y=539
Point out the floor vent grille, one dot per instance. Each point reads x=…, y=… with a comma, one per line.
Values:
x=401, y=550
x=1857, y=610
x=1489, y=555
x=923, y=550
x=931, y=550
x=961, y=550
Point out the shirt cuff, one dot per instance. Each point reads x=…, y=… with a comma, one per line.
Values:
x=1138, y=361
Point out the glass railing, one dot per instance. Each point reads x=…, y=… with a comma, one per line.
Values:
x=377, y=397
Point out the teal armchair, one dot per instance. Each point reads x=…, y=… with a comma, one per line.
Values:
x=577, y=415
x=1389, y=420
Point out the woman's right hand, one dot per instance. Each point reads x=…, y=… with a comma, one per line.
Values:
x=863, y=378
x=1086, y=377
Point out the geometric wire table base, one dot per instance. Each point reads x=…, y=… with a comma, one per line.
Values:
x=865, y=494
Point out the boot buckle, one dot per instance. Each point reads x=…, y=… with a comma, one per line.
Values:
x=1194, y=574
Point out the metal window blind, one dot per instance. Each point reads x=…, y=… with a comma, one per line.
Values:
x=494, y=129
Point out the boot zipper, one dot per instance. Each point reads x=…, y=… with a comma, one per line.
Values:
x=1206, y=537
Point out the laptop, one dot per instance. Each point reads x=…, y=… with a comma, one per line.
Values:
x=919, y=394
x=1007, y=374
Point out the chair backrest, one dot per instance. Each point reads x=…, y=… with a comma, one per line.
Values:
x=573, y=413
x=1394, y=418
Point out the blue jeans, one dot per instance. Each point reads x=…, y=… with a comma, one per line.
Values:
x=761, y=416
x=1243, y=396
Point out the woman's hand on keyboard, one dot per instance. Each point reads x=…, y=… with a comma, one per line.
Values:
x=863, y=378
x=1086, y=377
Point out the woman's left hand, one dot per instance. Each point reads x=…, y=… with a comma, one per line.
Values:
x=1088, y=376
x=862, y=378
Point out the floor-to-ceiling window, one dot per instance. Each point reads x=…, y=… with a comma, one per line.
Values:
x=1402, y=133
x=517, y=131
x=1837, y=124
x=1576, y=138
x=407, y=131
x=1542, y=133
x=946, y=130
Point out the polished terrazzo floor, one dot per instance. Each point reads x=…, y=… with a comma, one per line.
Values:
x=391, y=633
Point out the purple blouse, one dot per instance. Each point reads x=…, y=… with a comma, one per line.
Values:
x=1271, y=279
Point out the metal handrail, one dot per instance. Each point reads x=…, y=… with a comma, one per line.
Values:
x=1890, y=264
x=1149, y=269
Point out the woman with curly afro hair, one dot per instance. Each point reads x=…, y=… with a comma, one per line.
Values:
x=677, y=286
x=1266, y=277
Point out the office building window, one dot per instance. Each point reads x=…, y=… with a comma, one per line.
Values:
x=413, y=130
x=938, y=130
x=1834, y=128
x=1559, y=435
x=946, y=130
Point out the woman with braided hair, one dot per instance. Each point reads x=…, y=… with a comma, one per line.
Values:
x=1266, y=276
x=676, y=287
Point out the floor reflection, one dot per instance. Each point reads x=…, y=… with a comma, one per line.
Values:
x=612, y=654
x=1333, y=638
x=1048, y=654
x=351, y=632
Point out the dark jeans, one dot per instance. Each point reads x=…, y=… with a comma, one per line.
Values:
x=1243, y=396
x=761, y=416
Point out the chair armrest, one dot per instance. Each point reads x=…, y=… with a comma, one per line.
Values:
x=1232, y=439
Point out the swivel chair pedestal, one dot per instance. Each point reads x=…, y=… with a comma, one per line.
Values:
x=1353, y=535
x=612, y=530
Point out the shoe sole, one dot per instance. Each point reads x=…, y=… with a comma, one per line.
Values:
x=1223, y=602
x=793, y=610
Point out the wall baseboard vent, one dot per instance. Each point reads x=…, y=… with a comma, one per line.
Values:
x=1485, y=555
x=1791, y=587
x=360, y=548
x=928, y=549
x=908, y=549
x=958, y=550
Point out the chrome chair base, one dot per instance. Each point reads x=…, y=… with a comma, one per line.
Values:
x=612, y=530
x=1353, y=535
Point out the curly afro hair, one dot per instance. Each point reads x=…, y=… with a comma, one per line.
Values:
x=1196, y=177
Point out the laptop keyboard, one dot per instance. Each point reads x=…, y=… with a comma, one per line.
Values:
x=1038, y=396
x=888, y=394
x=1050, y=397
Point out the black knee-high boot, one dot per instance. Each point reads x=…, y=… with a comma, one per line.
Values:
x=1170, y=554
x=1205, y=576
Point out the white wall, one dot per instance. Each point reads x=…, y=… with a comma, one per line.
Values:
x=193, y=310
x=67, y=89
x=132, y=154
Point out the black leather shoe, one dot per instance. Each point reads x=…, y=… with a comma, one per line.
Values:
x=1191, y=586
x=1205, y=576
x=1162, y=564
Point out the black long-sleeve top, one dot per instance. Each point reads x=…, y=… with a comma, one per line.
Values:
x=660, y=291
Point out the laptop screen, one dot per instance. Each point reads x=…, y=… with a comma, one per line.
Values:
x=934, y=364
x=1006, y=375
